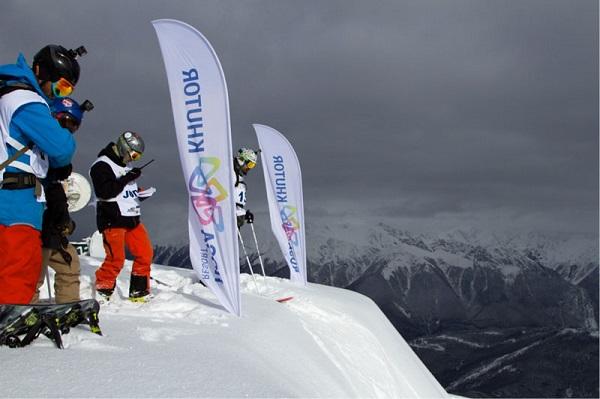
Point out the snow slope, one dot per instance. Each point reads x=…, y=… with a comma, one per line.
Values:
x=326, y=342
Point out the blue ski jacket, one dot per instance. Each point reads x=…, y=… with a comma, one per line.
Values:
x=32, y=122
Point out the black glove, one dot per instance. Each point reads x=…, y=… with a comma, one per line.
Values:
x=66, y=228
x=249, y=217
x=56, y=174
x=240, y=220
x=131, y=175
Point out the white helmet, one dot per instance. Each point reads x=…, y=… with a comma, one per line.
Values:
x=246, y=155
x=130, y=145
x=246, y=159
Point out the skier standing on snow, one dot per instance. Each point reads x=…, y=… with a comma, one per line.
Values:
x=57, y=225
x=25, y=120
x=118, y=216
x=242, y=163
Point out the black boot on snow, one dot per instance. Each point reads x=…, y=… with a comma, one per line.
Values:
x=138, y=288
x=104, y=294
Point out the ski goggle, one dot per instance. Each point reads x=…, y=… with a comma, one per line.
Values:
x=62, y=88
x=250, y=164
x=67, y=121
x=134, y=155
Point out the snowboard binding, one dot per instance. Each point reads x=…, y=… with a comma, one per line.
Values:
x=22, y=324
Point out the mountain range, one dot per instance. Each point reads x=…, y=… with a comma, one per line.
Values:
x=427, y=283
x=485, y=312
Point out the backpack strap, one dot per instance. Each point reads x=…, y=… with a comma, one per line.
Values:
x=6, y=87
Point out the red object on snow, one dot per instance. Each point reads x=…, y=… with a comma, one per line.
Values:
x=285, y=299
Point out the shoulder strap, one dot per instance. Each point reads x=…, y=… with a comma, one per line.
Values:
x=14, y=157
x=9, y=88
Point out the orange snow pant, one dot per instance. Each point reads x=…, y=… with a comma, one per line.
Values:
x=20, y=263
x=139, y=245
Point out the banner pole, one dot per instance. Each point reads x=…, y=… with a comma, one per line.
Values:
x=262, y=266
x=248, y=260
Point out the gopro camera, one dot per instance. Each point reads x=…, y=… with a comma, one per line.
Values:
x=87, y=106
x=78, y=52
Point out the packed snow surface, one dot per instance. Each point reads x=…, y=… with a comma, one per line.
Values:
x=325, y=342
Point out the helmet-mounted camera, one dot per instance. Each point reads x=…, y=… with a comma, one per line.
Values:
x=78, y=52
x=87, y=106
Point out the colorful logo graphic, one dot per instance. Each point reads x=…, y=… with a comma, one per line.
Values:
x=206, y=192
x=290, y=222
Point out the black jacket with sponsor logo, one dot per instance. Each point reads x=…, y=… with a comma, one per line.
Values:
x=106, y=186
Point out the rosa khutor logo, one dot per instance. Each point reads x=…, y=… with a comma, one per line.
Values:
x=206, y=192
x=290, y=222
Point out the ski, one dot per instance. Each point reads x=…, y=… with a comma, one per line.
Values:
x=21, y=324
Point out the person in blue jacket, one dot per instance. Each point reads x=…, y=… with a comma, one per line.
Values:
x=27, y=127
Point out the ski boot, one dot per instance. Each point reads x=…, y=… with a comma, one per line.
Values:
x=104, y=294
x=138, y=289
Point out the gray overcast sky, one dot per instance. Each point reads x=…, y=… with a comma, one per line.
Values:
x=432, y=114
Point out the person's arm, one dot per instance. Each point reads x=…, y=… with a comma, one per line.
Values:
x=35, y=123
x=57, y=208
x=106, y=184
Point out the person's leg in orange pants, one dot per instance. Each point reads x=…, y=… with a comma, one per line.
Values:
x=138, y=243
x=114, y=246
x=20, y=263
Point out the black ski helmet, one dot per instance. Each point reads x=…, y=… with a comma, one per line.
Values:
x=57, y=62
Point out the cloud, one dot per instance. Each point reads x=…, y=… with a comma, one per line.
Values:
x=426, y=108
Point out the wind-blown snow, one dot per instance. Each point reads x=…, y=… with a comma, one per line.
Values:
x=326, y=342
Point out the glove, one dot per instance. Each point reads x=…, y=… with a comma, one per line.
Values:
x=240, y=220
x=130, y=176
x=62, y=173
x=249, y=217
x=66, y=228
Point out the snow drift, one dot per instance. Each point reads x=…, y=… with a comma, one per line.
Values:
x=325, y=342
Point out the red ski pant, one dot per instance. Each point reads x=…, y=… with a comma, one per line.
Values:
x=20, y=263
x=115, y=239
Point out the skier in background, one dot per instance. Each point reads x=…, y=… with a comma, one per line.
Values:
x=26, y=121
x=243, y=162
x=118, y=216
x=57, y=225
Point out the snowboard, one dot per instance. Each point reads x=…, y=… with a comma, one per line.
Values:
x=21, y=324
x=78, y=191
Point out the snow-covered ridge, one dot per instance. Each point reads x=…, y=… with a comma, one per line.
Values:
x=325, y=342
x=553, y=250
x=423, y=280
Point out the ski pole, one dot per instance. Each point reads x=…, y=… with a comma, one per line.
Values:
x=146, y=164
x=262, y=266
x=48, y=284
x=248, y=260
x=160, y=282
